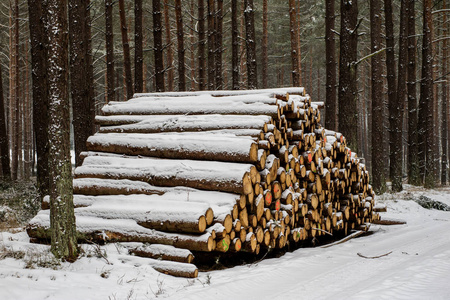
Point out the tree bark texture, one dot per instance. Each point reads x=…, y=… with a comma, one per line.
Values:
x=169, y=57
x=81, y=75
x=234, y=46
x=294, y=43
x=39, y=76
x=14, y=90
x=181, y=50
x=445, y=106
x=218, y=45
x=426, y=101
x=158, y=46
x=4, y=147
x=211, y=45
x=250, y=39
x=138, y=48
x=264, y=46
x=413, y=142
x=109, y=38
x=378, y=158
x=330, y=53
x=126, y=50
x=62, y=218
x=201, y=46
x=348, y=92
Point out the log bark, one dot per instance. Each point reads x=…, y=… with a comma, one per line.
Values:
x=163, y=252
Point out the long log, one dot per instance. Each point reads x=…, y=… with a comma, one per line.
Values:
x=167, y=145
x=163, y=252
x=115, y=230
x=206, y=175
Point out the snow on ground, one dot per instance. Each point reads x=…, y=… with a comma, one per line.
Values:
x=417, y=266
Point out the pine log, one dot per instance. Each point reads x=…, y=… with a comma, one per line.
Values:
x=206, y=175
x=163, y=252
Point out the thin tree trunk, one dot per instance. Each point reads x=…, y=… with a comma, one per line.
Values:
x=211, y=45
x=330, y=53
x=294, y=43
x=169, y=57
x=39, y=61
x=14, y=89
x=138, y=48
x=299, y=44
x=242, y=59
x=62, y=218
x=109, y=38
x=81, y=75
x=348, y=92
x=4, y=148
x=27, y=121
x=378, y=151
x=427, y=97
x=192, y=25
x=234, y=46
x=250, y=39
x=218, y=45
x=445, y=108
x=180, y=42
x=158, y=46
x=126, y=50
x=265, y=37
x=201, y=46
x=413, y=147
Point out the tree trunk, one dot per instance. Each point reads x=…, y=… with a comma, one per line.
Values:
x=39, y=76
x=62, y=218
x=234, y=46
x=378, y=158
x=4, y=147
x=299, y=44
x=294, y=43
x=413, y=147
x=427, y=98
x=330, y=53
x=250, y=39
x=348, y=92
x=192, y=40
x=201, y=46
x=211, y=45
x=158, y=46
x=138, y=48
x=126, y=50
x=14, y=90
x=218, y=45
x=265, y=37
x=396, y=156
x=180, y=41
x=169, y=58
x=445, y=108
x=109, y=37
x=81, y=75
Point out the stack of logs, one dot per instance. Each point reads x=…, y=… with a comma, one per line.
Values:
x=223, y=171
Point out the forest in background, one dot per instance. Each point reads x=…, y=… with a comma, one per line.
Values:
x=176, y=40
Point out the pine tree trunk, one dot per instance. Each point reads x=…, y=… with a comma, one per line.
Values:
x=201, y=46
x=81, y=77
x=378, y=156
x=445, y=106
x=39, y=76
x=158, y=46
x=396, y=157
x=211, y=45
x=250, y=39
x=330, y=53
x=14, y=90
x=28, y=114
x=218, y=45
x=348, y=92
x=294, y=43
x=169, y=57
x=413, y=147
x=109, y=38
x=4, y=148
x=180, y=42
x=299, y=44
x=126, y=50
x=138, y=48
x=427, y=98
x=192, y=38
x=265, y=37
x=62, y=218
x=234, y=46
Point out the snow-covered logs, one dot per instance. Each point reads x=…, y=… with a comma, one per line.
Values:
x=223, y=171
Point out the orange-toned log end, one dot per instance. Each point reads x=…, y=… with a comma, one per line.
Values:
x=267, y=198
x=276, y=190
x=209, y=216
x=247, y=184
x=236, y=245
x=228, y=223
x=253, y=154
x=224, y=244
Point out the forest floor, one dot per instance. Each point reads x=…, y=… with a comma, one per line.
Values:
x=410, y=261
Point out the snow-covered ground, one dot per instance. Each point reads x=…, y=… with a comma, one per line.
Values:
x=413, y=263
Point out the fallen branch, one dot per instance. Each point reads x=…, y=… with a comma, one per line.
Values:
x=389, y=222
x=373, y=257
x=347, y=238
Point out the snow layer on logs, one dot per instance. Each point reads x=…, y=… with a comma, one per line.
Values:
x=189, y=145
x=171, y=123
